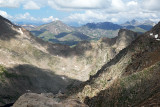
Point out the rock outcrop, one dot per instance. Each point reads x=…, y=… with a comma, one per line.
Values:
x=42, y=100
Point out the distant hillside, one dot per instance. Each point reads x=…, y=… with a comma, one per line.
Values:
x=138, y=26
x=104, y=25
x=58, y=32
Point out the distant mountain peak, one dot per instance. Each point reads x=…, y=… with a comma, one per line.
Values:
x=135, y=22
x=103, y=25
x=132, y=23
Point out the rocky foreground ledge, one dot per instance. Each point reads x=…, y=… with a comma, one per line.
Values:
x=45, y=100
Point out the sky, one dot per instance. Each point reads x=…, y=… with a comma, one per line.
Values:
x=79, y=11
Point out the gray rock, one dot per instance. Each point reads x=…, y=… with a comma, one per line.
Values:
x=44, y=100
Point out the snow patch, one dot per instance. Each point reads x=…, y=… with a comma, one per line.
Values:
x=20, y=31
x=151, y=34
x=156, y=36
x=63, y=78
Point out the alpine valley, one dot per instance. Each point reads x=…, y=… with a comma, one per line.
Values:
x=109, y=65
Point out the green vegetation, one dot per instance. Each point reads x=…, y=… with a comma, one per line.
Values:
x=138, y=29
x=2, y=73
x=38, y=54
x=53, y=61
x=5, y=74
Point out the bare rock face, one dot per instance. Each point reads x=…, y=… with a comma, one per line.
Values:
x=45, y=100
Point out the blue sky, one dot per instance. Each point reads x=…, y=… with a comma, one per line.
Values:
x=79, y=11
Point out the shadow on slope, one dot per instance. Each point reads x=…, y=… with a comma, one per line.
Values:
x=27, y=78
x=6, y=32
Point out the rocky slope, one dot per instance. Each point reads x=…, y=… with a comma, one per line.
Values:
x=45, y=100
x=40, y=66
x=131, y=78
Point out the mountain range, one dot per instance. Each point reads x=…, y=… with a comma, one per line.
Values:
x=58, y=32
x=118, y=71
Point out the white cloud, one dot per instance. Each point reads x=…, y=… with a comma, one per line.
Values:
x=31, y=5
x=114, y=20
x=101, y=16
x=49, y=19
x=5, y=14
x=132, y=3
x=117, y=5
x=23, y=17
x=88, y=16
x=10, y=3
x=89, y=10
x=77, y=4
x=152, y=5
x=27, y=17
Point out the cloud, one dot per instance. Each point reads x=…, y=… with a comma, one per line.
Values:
x=84, y=11
x=111, y=5
x=152, y=5
x=27, y=17
x=10, y=3
x=118, y=17
x=132, y=3
x=5, y=14
x=88, y=16
x=49, y=19
x=31, y=5
x=118, y=5
x=24, y=17
x=119, y=11
x=77, y=4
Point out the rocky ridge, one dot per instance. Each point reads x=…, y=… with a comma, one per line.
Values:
x=130, y=79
